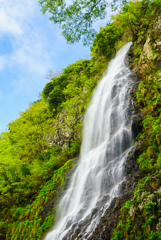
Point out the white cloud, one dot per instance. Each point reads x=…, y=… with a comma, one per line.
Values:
x=7, y=24
x=21, y=19
x=2, y=62
x=30, y=55
x=14, y=13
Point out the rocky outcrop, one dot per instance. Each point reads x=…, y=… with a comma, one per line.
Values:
x=147, y=49
x=143, y=211
x=64, y=129
x=155, y=34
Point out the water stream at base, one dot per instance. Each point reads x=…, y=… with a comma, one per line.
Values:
x=100, y=172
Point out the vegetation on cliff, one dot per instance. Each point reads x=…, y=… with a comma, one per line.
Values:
x=34, y=150
x=38, y=150
x=140, y=217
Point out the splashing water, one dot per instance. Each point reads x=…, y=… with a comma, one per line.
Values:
x=100, y=172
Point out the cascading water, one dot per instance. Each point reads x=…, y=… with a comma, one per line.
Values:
x=100, y=172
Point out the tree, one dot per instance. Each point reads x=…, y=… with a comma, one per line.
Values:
x=105, y=41
x=76, y=19
x=51, y=74
x=28, y=132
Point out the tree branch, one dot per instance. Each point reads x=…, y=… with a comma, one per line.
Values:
x=87, y=14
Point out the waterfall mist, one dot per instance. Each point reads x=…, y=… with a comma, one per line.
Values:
x=106, y=142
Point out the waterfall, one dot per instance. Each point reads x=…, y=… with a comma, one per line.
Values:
x=106, y=142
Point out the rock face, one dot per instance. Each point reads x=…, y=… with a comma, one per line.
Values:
x=153, y=41
x=144, y=211
x=156, y=33
x=147, y=49
x=64, y=129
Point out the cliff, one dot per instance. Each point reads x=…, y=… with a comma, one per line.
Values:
x=139, y=218
x=40, y=158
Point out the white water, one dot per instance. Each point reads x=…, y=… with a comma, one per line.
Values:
x=107, y=134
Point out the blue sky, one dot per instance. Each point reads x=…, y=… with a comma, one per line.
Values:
x=30, y=45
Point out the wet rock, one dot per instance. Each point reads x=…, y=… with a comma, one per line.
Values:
x=137, y=124
x=134, y=91
x=131, y=166
x=110, y=219
x=157, y=25
x=114, y=91
x=3, y=237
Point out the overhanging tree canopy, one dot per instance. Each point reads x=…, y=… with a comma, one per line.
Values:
x=76, y=19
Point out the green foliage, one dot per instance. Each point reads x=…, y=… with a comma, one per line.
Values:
x=139, y=217
x=76, y=20
x=47, y=154
x=150, y=205
x=127, y=205
x=69, y=88
x=149, y=98
x=136, y=16
x=27, y=133
x=74, y=146
x=28, y=223
x=32, y=169
x=53, y=91
x=21, y=173
x=27, y=161
x=106, y=40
